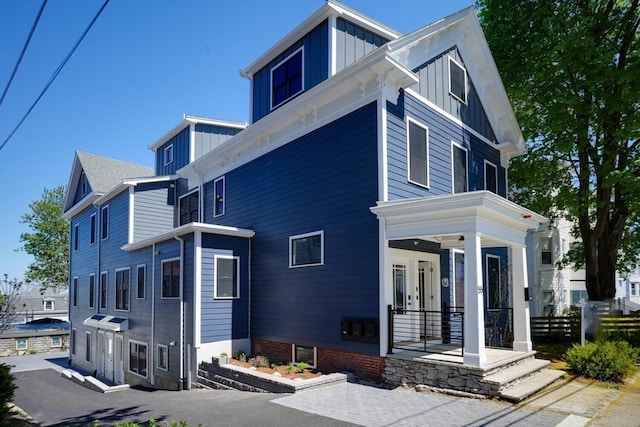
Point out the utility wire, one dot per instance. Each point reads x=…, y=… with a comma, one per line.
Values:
x=24, y=50
x=54, y=75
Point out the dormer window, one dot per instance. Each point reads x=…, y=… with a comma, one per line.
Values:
x=287, y=78
x=48, y=304
x=168, y=154
x=457, y=80
x=83, y=183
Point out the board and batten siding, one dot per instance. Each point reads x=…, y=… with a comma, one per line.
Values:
x=208, y=137
x=354, y=42
x=181, y=148
x=434, y=86
x=153, y=210
x=290, y=191
x=316, y=68
x=224, y=319
x=442, y=131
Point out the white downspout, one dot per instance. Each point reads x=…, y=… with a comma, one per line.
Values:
x=181, y=380
x=153, y=310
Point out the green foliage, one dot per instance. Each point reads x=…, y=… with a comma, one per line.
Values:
x=604, y=361
x=570, y=69
x=240, y=355
x=259, y=362
x=289, y=368
x=300, y=367
x=49, y=241
x=7, y=390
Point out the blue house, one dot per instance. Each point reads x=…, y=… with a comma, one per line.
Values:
x=361, y=214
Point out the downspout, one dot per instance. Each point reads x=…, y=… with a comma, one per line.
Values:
x=153, y=309
x=181, y=379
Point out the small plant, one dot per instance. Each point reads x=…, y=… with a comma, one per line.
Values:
x=259, y=362
x=604, y=361
x=289, y=368
x=300, y=367
x=224, y=354
x=240, y=355
x=275, y=365
x=33, y=351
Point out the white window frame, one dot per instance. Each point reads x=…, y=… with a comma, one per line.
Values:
x=138, y=343
x=501, y=286
x=22, y=348
x=466, y=86
x=83, y=183
x=275, y=67
x=164, y=261
x=103, y=303
x=428, y=166
x=487, y=163
x=215, y=276
x=168, y=154
x=454, y=278
x=453, y=167
x=144, y=284
x=92, y=302
x=88, y=353
x=58, y=338
x=215, y=197
x=180, y=200
x=75, y=291
x=76, y=237
x=74, y=334
x=401, y=306
x=93, y=238
x=166, y=352
x=128, y=301
x=634, y=289
x=315, y=355
x=51, y=301
x=104, y=222
x=550, y=250
x=302, y=236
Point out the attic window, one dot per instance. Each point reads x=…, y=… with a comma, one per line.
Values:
x=287, y=78
x=457, y=80
x=168, y=154
x=83, y=183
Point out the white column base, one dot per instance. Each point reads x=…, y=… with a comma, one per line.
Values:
x=472, y=359
x=522, y=346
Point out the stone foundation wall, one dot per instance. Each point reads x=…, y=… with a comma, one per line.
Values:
x=39, y=344
x=412, y=372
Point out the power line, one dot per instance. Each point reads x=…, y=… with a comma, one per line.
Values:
x=55, y=74
x=24, y=50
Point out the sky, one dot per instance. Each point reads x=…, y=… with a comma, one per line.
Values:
x=142, y=66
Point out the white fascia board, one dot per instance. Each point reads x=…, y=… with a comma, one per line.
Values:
x=131, y=183
x=330, y=8
x=86, y=201
x=191, y=228
x=186, y=121
x=355, y=86
x=72, y=185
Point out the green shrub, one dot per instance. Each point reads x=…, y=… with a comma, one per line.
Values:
x=300, y=367
x=240, y=355
x=604, y=361
x=632, y=337
x=7, y=390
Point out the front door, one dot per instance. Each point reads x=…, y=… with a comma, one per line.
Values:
x=429, y=301
x=119, y=361
x=108, y=355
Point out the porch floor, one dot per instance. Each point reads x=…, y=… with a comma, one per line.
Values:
x=452, y=353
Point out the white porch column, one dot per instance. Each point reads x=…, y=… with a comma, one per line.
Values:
x=474, y=352
x=521, y=322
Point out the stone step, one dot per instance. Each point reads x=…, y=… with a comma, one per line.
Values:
x=504, y=378
x=531, y=385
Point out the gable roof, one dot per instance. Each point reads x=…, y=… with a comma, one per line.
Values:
x=462, y=29
x=102, y=173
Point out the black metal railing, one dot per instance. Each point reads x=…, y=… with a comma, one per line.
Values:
x=425, y=330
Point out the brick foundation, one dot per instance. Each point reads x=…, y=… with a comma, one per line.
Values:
x=367, y=366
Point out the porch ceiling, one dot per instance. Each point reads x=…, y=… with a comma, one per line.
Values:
x=446, y=218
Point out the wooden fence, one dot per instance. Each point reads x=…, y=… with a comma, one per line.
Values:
x=555, y=329
x=616, y=324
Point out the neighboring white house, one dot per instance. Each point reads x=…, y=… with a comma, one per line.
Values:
x=628, y=290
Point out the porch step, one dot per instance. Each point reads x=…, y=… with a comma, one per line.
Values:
x=531, y=385
x=505, y=378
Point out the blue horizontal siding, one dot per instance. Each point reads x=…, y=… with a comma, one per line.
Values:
x=288, y=192
x=180, y=153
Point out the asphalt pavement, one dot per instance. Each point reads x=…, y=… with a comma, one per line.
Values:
x=55, y=401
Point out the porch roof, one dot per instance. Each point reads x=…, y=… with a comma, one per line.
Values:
x=446, y=218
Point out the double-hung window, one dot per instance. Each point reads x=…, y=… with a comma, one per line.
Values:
x=49, y=304
x=141, y=281
x=287, y=78
x=190, y=208
x=171, y=278
x=92, y=290
x=75, y=291
x=138, y=358
x=123, y=287
x=457, y=80
x=490, y=177
x=546, y=251
x=163, y=357
x=418, y=145
x=459, y=155
x=219, y=190
x=94, y=234
x=103, y=290
x=227, y=276
x=104, y=222
x=306, y=249
x=76, y=237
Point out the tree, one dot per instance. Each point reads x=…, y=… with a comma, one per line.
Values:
x=49, y=242
x=572, y=71
x=9, y=296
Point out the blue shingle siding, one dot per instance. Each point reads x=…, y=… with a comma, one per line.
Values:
x=316, y=68
x=152, y=213
x=442, y=131
x=434, y=86
x=224, y=319
x=208, y=137
x=354, y=42
x=289, y=192
x=181, y=147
